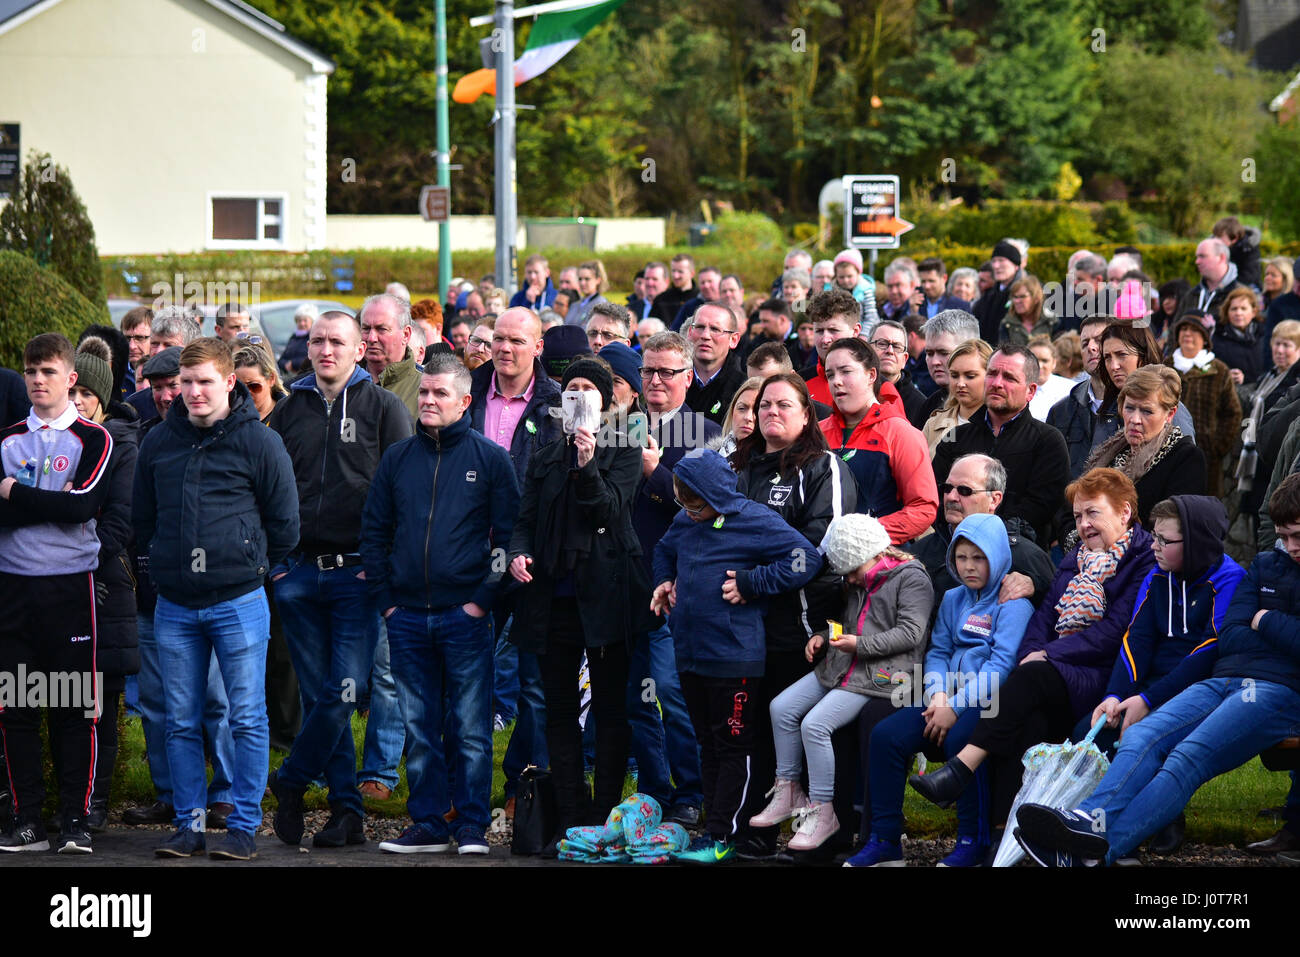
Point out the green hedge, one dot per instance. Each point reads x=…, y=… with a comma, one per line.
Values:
x=33, y=300
x=1042, y=223
x=294, y=274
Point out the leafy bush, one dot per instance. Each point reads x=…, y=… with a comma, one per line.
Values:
x=748, y=231
x=47, y=221
x=35, y=300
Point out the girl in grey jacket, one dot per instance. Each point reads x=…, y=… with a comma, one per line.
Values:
x=884, y=631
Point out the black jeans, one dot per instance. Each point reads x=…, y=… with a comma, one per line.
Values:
x=607, y=666
x=1034, y=706
x=724, y=713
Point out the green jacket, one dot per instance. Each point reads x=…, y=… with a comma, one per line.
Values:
x=403, y=380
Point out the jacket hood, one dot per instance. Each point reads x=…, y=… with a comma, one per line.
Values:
x=1205, y=525
x=448, y=435
x=309, y=381
x=708, y=473
x=988, y=533
x=241, y=409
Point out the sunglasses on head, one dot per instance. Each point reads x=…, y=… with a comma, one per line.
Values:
x=249, y=337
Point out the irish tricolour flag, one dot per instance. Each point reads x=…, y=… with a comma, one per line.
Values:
x=553, y=35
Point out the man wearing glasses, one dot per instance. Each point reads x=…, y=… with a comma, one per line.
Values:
x=136, y=326
x=608, y=322
x=889, y=339
x=718, y=372
x=975, y=486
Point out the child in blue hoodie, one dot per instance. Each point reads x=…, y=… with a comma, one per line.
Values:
x=972, y=651
x=721, y=557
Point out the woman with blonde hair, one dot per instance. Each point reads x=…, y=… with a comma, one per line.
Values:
x=1026, y=315
x=255, y=368
x=966, y=367
x=1149, y=449
x=1279, y=278
x=592, y=283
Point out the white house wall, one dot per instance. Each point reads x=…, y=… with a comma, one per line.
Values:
x=154, y=105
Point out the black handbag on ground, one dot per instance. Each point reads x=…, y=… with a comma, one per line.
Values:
x=536, y=817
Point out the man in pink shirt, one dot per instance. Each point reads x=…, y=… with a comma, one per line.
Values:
x=512, y=402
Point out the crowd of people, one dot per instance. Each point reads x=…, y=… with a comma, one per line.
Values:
x=762, y=549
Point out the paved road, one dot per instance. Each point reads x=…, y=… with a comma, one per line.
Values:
x=133, y=847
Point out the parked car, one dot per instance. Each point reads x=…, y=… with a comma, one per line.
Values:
x=275, y=318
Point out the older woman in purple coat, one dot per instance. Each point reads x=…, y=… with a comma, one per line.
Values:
x=1069, y=646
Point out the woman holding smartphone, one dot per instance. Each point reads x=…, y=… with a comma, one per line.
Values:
x=585, y=588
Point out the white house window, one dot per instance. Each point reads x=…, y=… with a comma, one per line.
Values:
x=246, y=221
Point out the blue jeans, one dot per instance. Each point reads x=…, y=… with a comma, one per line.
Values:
x=1210, y=728
x=528, y=739
x=436, y=652
x=331, y=628
x=666, y=750
x=385, y=733
x=893, y=742
x=153, y=720
x=505, y=682
x=238, y=631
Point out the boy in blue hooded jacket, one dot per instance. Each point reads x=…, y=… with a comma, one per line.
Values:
x=721, y=557
x=972, y=651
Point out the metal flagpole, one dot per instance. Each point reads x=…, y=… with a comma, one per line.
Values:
x=444, y=147
x=505, y=187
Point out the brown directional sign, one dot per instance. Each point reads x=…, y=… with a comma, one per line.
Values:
x=435, y=203
x=871, y=205
x=10, y=160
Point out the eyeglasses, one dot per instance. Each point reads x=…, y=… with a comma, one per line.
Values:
x=603, y=334
x=1166, y=542
x=254, y=387
x=688, y=509
x=713, y=332
x=664, y=375
x=476, y=341
x=248, y=337
x=144, y=338
x=965, y=491
x=883, y=345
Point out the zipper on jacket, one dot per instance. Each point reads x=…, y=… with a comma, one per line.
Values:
x=320, y=496
x=428, y=529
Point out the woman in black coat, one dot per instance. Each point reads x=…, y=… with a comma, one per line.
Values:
x=117, y=650
x=585, y=590
x=786, y=465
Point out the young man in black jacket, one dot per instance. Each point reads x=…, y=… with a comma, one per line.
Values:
x=336, y=424
x=436, y=580
x=214, y=507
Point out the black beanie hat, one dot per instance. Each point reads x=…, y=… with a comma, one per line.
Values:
x=1007, y=251
x=596, y=373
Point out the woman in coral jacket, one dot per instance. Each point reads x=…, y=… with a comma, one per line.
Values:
x=869, y=431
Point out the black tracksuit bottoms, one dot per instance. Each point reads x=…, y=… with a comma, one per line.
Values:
x=47, y=638
x=724, y=713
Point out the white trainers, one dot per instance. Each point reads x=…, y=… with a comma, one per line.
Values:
x=816, y=826
x=787, y=799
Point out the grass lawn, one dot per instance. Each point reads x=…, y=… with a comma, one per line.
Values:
x=1224, y=811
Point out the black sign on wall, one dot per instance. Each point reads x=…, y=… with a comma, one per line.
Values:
x=10, y=158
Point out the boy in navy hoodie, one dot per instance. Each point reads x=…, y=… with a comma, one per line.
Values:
x=718, y=561
x=1251, y=702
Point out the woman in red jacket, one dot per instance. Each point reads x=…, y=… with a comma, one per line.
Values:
x=869, y=431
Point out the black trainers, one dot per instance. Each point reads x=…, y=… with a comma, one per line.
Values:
x=343, y=827
x=159, y=812
x=184, y=843
x=288, y=813
x=26, y=836
x=98, y=816
x=237, y=846
x=74, y=836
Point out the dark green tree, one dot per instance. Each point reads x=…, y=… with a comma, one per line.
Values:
x=46, y=220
